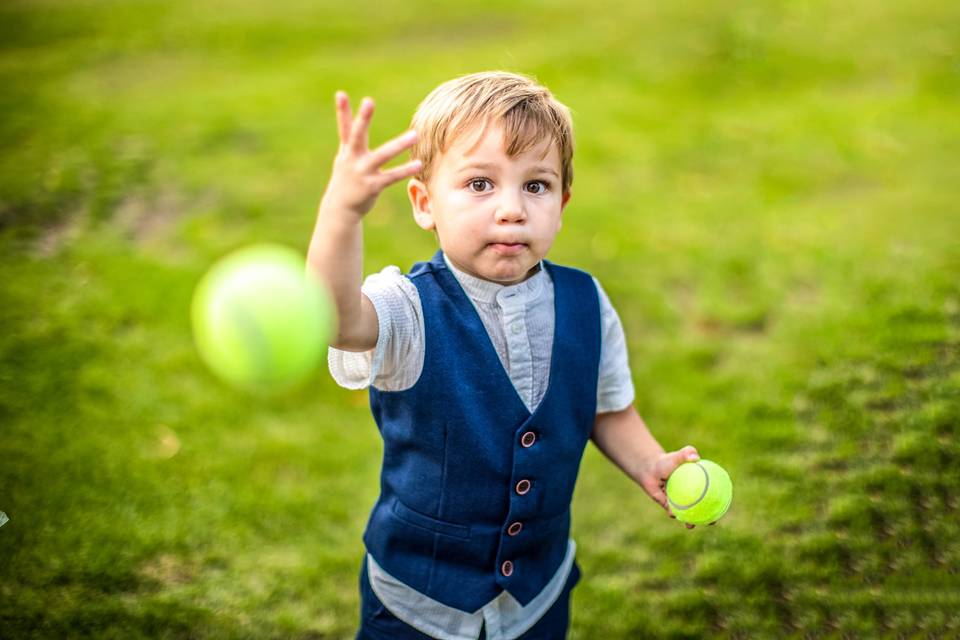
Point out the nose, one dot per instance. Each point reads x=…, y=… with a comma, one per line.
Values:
x=510, y=209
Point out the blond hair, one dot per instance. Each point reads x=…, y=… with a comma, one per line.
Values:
x=525, y=109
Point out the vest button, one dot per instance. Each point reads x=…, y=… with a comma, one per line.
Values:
x=523, y=486
x=515, y=528
x=506, y=568
x=528, y=439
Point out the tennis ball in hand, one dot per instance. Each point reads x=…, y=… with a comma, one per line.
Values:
x=259, y=320
x=699, y=492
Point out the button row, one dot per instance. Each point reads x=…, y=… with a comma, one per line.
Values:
x=522, y=488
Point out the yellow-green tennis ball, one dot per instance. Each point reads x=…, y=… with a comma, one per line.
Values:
x=699, y=492
x=259, y=321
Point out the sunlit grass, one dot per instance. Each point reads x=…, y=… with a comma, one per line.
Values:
x=768, y=194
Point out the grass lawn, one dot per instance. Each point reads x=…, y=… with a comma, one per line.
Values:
x=769, y=192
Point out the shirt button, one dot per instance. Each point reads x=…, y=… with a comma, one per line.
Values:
x=515, y=528
x=506, y=568
x=523, y=486
x=516, y=328
x=528, y=439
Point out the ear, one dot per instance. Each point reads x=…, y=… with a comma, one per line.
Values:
x=563, y=205
x=420, y=201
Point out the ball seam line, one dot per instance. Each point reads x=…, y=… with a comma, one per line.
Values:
x=706, y=487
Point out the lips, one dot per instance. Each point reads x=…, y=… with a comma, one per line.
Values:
x=508, y=248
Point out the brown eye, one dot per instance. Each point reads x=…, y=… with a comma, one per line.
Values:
x=478, y=181
x=543, y=186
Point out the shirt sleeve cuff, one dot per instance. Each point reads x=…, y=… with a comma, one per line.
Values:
x=358, y=369
x=616, y=400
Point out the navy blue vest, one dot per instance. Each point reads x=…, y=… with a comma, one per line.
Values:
x=475, y=490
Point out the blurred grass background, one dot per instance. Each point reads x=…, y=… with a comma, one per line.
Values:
x=768, y=192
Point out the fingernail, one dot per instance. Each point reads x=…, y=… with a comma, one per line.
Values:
x=693, y=457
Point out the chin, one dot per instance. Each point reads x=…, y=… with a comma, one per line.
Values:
x=512, y=275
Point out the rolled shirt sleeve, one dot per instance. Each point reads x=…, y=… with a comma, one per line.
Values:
x=615, y=385
x=390, y=365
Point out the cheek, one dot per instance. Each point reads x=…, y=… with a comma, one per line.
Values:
x=456, y=204
x=460, y=201
x=461, y=226
x=463, y=212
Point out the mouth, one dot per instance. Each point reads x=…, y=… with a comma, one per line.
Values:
x=508, y=248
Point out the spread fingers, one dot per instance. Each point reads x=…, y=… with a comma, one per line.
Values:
x=344, y=117
x=399, y=173
x=392, y=148
x=358, y=133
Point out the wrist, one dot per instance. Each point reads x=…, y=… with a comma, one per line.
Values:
x=333, y=212
x=648, y=461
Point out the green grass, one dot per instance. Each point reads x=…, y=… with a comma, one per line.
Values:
x=769, y=194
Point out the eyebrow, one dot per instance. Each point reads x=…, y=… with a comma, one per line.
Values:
x=491, y=165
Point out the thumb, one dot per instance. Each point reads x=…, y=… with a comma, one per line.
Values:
x=670, y=461
x=686, y=454
x=677, y=458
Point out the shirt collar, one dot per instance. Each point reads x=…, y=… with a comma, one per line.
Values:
x=486, y=291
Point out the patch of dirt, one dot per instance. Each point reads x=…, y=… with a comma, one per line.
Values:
x=146, y=219
x=168, y=570
x=59, y=234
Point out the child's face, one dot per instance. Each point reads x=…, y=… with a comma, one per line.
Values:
x=478, y=212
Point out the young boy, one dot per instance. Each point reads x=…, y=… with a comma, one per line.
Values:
x=489, y=367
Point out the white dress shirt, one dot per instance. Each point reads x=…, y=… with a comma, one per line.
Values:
x=520, y=321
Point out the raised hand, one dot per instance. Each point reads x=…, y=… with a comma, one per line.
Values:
x=357, y=181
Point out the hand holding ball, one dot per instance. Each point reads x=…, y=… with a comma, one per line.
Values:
x=259, y=320
x=699, y=492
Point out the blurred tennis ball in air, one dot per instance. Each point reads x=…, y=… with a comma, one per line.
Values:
x=259, y=320
x=699, y=492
